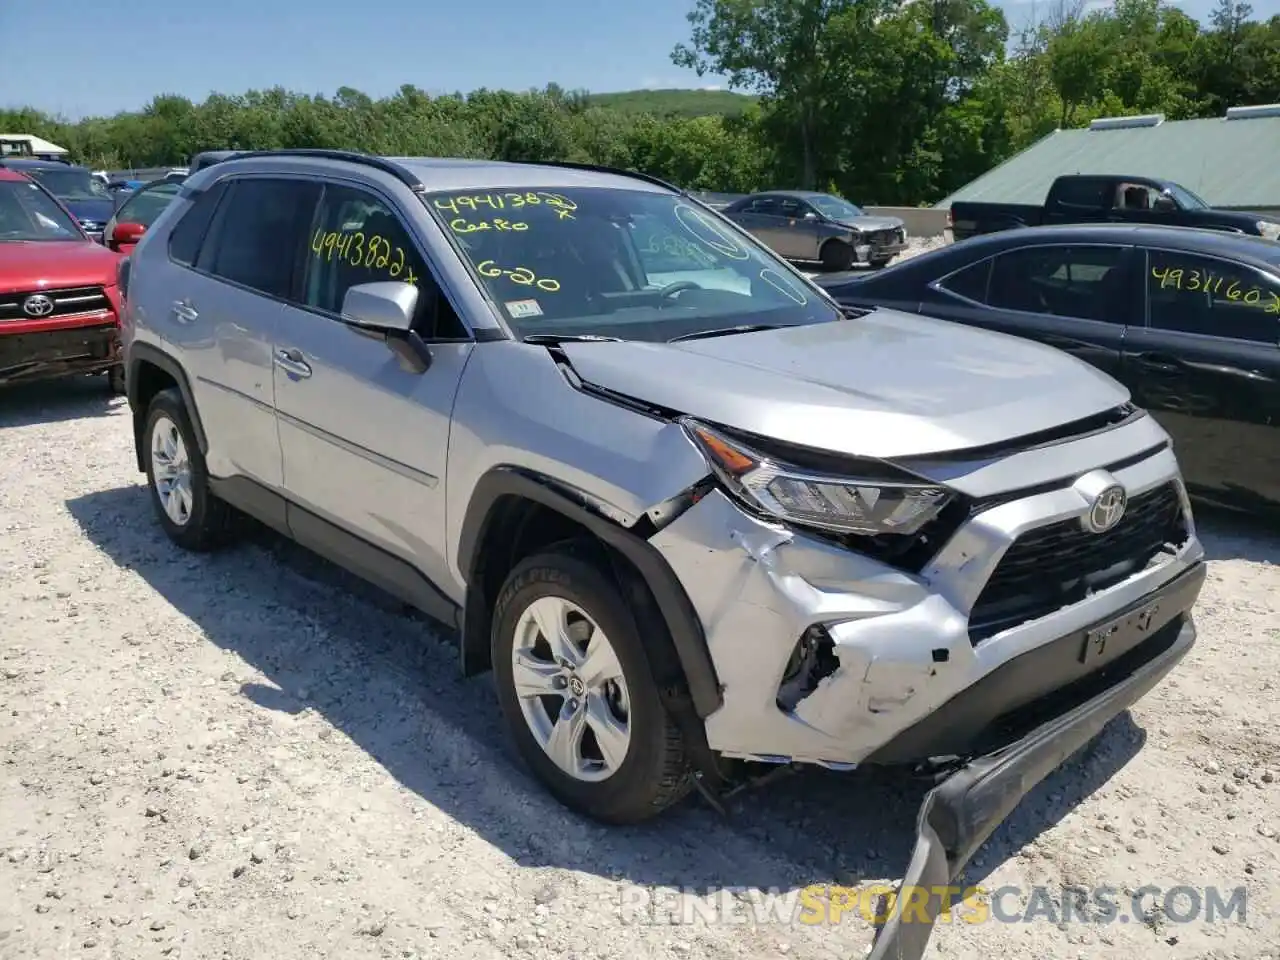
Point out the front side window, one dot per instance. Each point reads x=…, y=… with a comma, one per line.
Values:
x=356, y=239
x=146, y=206
x=1189, y=293
x=632, y=264
x=259, y=231
x=70, y=184
x=1082, y=282
x=836, y=208
x=28, y=213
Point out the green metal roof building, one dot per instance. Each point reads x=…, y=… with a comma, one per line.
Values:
x=1231, y=161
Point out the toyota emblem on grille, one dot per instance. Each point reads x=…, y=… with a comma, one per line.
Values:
x=1107, y=509
x=37, y=305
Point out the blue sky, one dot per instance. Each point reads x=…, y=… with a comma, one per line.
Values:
x=109, y=55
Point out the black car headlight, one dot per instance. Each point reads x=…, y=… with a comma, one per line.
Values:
x=866, y=506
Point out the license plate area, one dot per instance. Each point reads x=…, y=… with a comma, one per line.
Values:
x=1122, y=633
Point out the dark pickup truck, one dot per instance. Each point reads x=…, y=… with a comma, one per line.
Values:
x=1092, y=198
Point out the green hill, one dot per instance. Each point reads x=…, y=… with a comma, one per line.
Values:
x=683, y=103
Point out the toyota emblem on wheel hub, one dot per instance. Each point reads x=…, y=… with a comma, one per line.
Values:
x=1107, y=509
x=37, y=305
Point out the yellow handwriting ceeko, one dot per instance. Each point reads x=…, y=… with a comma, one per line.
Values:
x=472, y=202
x=361, y=250
x=459, y=225
x=521, y=275
x=1196, y=282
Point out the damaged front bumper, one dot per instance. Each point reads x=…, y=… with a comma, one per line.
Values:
x=959, y=814
x=64, y=351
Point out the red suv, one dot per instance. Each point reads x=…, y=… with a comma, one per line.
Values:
x=59, y=302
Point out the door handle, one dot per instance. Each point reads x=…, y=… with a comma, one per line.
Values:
x=1159, y=362
x=292, y=363
x=184, y=312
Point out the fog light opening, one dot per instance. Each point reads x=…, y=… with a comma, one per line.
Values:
x=813, y=659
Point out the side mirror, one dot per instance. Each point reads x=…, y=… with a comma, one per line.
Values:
x=811, y=216
x=387, y=307
x=127, y=233
x=1164, y=203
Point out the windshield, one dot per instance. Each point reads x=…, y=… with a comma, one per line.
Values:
x=1186, y=199
x=146, y=206
x=632, y=264
x=27, y=213
x=69, y=184
x=835, y=208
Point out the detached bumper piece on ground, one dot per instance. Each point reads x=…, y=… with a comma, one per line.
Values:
x=957, y=816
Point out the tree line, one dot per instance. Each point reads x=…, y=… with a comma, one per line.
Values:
x=883, y=101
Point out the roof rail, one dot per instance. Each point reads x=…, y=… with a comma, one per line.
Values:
x=602, y=168
x=349, y=156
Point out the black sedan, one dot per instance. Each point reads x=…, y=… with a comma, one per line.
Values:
x=1187, y=319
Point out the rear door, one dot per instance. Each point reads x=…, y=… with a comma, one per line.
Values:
x=1080, y=200
x=1207, y=365
x=1077, y=298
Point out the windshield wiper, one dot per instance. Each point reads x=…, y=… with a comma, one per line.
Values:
x=726, y=331
x=554, y=338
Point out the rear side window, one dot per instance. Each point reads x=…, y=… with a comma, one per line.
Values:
x=969, y=282
x=1081, y=282
x=260, y=233
x=188, y=233
x=1189, y=293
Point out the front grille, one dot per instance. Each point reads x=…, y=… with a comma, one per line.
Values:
x=1054, y=566
x=67, y=302
x=882, y=238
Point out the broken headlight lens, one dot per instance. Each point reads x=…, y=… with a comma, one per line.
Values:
x=868, y=507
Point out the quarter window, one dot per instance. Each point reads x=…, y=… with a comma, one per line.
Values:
x=1188, y=293
x=188, y=233
x=1082, y=282
x=261, y=229
x=970, y=282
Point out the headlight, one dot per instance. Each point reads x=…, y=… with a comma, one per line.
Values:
x=1268, y=229
x=868, y=506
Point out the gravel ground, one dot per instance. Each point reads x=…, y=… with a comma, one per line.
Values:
x=251, y=755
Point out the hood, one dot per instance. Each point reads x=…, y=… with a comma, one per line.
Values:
x=886, y=385
x=97, y=211
x=868, y=223
x=55, y=263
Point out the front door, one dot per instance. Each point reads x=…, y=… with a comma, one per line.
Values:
x=1076, y=298
x=364, y=435
x=1207, y=365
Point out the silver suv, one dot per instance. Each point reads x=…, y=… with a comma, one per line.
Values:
x=698, y=521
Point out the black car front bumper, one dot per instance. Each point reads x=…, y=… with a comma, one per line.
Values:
x=960, y=813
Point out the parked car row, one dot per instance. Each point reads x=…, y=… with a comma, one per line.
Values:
x=699, y=519
x=1187, y=319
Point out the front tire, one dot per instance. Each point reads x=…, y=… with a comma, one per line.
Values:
x=836, y=256
x=190, y=514
x=577, y=693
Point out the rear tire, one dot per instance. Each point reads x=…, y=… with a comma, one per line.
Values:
x=837, y=256
x=190, y=514
x=635, y=767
